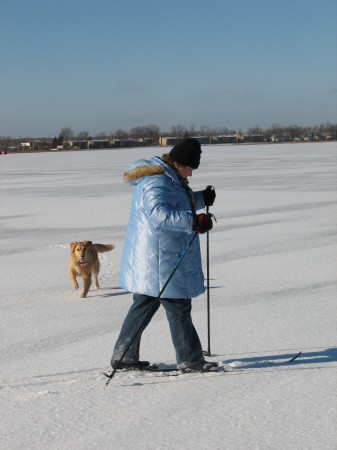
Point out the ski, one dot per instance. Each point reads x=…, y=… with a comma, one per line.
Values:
x=109, y=375
x=178, y=372
x=150, y=368
x=167, y=371
x=155, y=368
x=174, y=371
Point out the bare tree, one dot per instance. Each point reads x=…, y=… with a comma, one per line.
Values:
x=192, y=130
x=275, y=130
x=294, y=131
x=83, y=136
x=121, y=134
x=137, y=133
x=221, y=131
x=5, y=141
x=205, y=130
x=153, y=132
x=67, y=133
x=332, y=129
x=255, y=131
x=178, y=130
x=100, y=135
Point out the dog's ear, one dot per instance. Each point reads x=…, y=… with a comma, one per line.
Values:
x=72, y=246
x=87, y=243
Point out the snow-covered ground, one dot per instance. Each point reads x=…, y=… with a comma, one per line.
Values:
x=273, y=292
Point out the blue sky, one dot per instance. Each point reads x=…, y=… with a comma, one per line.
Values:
x=101, y=65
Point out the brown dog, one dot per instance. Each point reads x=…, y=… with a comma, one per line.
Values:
x=84, y=261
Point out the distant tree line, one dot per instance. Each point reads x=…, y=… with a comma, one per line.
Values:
x=181, y=131
x=153, y=133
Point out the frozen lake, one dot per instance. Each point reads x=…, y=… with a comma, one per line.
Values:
x=273, y=255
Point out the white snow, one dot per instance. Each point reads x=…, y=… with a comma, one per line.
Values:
x=273, y=293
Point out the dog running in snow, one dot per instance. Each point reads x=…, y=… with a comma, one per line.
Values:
x=84, y=262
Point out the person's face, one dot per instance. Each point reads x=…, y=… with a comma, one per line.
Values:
x=184, y=171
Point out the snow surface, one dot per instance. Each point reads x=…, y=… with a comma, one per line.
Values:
x=273, y=293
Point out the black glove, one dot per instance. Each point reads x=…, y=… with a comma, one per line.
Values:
x=209, y=195
x=202, y=223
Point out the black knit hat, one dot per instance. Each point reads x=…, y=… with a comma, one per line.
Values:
x=187, y=153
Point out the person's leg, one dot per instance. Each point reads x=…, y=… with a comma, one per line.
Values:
x=184, y=336
x=143, y=306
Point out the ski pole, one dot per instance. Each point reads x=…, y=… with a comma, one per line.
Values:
x=140, y=329
x=208, y=352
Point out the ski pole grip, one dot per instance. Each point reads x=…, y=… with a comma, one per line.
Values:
x=209, y=195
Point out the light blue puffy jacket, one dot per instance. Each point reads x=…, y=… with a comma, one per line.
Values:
x=159, y=230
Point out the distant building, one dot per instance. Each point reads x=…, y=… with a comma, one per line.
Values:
x=171, y=140
x=99, y=143
x=80, y=144
x=225, y=139
x=253, y=138
x=25, y=146
x=41, y=145
x=204, y=140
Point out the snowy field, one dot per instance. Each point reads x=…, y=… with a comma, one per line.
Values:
x=273, y=255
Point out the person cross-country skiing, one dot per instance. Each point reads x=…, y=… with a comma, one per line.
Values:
x=163, y=218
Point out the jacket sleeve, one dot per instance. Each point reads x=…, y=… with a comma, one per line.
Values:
x=199, y=200
x=161, y=205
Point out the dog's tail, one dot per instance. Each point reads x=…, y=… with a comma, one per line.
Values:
x=101, y=248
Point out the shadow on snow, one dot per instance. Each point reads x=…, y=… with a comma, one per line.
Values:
x=319, y=356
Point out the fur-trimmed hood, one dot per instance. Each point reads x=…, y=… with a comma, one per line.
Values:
x=144, y=168
x=143, y=171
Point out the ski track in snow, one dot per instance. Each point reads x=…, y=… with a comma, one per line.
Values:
x=247, y=365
